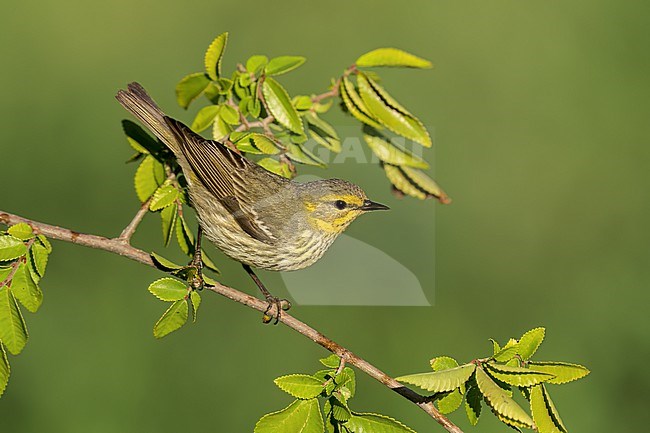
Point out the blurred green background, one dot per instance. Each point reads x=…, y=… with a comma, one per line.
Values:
x=540, y=116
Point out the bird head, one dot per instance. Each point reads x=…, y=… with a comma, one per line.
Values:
x=332, y=204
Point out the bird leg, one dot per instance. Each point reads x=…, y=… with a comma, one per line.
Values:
x=280, y=304
x=197, y=263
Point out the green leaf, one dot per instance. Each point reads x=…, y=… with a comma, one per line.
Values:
x=13, y=331
x=301, y=416
x=505, y=354
x=302, y=102
x=164, y=264
x=331, y=361
x=443, y=363
x=563, y=371
x=544, y=413
x=168, y=289
x=43, y=241
x=5, y=369
x=11, y=248
x=402, y=183
x=275, y=166
x=301, y=386
x=195, y=298
x=346, y=382
x=168, y=218
x=21, y=231
x=145, y=182
x=529, y=343
x=516, y=376
x=392, y=153
x=254, y=64
x=283, y=64
x=220, y=129
x=340, y=410
x=440, y=381
x=375, y=423
x=163, y=197
x=214, y=54
x=258, y=143
x=355, y=105
x=39, y=257
x=25, y=290
x=208, y=263
x=279, y=105
x=323, y=133
x=184, y=236
x=229, y=115
x=473, y=399
x=205, y=117
x=501, y=403
x=390, y=113
x=300, y=154
x=392, y=57
x=175, y=317
x=191, y=87
x=139, y=140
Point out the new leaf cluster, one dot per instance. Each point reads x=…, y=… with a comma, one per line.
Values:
x=23, y=259
x=491, y=381
x=335, y=386
x=252, y=112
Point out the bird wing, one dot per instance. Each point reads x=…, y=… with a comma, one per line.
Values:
x=228, y=176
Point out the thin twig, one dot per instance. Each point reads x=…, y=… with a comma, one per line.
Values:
x=126, y=250
x=129, y=230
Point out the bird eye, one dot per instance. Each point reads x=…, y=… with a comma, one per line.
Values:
x=340, y=204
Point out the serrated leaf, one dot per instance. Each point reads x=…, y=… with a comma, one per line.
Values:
x=516, y=376
x=443, y=363
x=175, y=317
x=208, y=263
x=544, y=413
x=195, y=298
x=529, y=343
x=39, y=256
x=495, y=346
x=164, y=264
x=168, y=219
x=191, y=87
x=22, y=231
x=262, y=144
x=139, y=140
x=43, y=241
x=499, y=400
x=11, y=248
x=331, y=361
x=302, y=102
x=145, y=182
x=375, y=423
x=402, y=183
x=340, y=410
x=392, y=57
x=563, y=371
x=220, y=129
x=275, y=166
x=205, y=117
x=390, y=113
x=355, y=105
x=214, y=54
x=473, y=399
x=301, y=386
x=25, y=290
x=255, y=63
x=168, y=289
x=505, y=354
x=301, y=416
x=299, y=154
x=163, y=197
x=440, y=381
x=229, y=115
x=392, y=153
x=13, y=331
x=283, y=64
x=323, y=133
x=5, y=369
x=279, y=105
x=450, y=402
x=184, y=236
x=346, y=382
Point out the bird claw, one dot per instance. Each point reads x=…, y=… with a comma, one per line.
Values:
x=274, y=309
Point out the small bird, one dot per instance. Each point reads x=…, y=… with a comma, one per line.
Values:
x=255, y=217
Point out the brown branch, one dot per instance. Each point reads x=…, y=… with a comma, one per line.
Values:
x=128, y=231
x=117, y=246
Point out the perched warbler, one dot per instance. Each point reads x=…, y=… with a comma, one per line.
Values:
x=254, y=216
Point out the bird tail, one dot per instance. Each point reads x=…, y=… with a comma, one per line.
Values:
x=138, y=102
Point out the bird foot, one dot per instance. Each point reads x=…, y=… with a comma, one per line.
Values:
x=274, y=309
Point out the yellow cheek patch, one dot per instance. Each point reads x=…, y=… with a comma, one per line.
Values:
x=337, y=225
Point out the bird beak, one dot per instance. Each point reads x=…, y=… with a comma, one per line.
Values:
x=371, y=205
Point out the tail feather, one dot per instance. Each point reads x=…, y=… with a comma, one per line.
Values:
x=136, y=100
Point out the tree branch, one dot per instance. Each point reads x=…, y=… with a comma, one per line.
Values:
x=119, y=246
x=128, y=231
